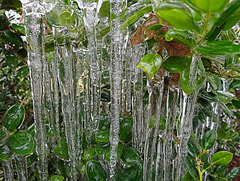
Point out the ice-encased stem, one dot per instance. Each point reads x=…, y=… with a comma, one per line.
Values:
x=34, y=18
x=185, y=130
x=8, y=169
x=21, y=167
x=65, y=63
x=115, y=81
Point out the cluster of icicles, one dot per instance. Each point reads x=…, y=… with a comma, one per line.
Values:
x=70, y=79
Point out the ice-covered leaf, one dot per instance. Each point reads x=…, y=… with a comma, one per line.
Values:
x=13, y=117
x=21, y=143
x=95, y=171
x=5, y=152
x=119, y=152
x=210, y=6
x=56, y=178
x=150, y=64
x=88, y=153
x=129, y=156
x=62, y=149
x=209, y=139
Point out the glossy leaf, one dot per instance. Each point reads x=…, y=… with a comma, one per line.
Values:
x=102, y=136
x=62, y=149
x=14, y=117
x=222, y=158
x=205, y=106
x=234, y=67
x=21, y=143
x=119, y=152
x=233, y=173
x=10, y=4
x=155, y=27
x=88, y=153
x=182, y=65
x=133, y=173
x=3, y=137
x=95, y=171
x=191, y=166
x=209, y=139
x=125, y=125
x=180, y=36
x=129, y=156
x=235, y=84
x=150, y=64
x=188, y=177
x=221, y=20
x=104, y=123
x=11, y=60
x=135, y=17
x=56, y=178
x=193, y=147
x=5, y=152
x=64, y=18
x=176, y=14
x=12, y=37
x=219, y=48
x=105, y=9
x=82, y=166
x=101, y=148
x=19, y=27
x=210, y=6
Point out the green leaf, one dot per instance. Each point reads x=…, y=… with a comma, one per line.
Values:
x=234, y=67
x=210, y=6
x=175, y=64
x=191, y=166
x=205, y=106
x=193, y=147
x=119, y=152
x=56, y=178
x=129, y=156
x=188, y=177
x=12, y=37
x=155, y=27
x=11, y=60
x=181, y=65
x=125, y=125
x=21, y=143
x=233, y=173
x=19, y=27
x=5, y=152
x=10, y=4
x=95, y=171
x=62, y=149
x=105, y=9
x=101, y=148
x=235, y=84
x=23, y=71
x=104, y=123
x=221, y=20
x=102, y=136
x=150, y=64
x=3, y=137
x=219, y=48
x=135, y=17
x=133, y=173
x=88, y=153
x=176, y=14
x=14, y=117
x=222, y=158
x=64, y=18
x=82, y=166
x=180, y=36
x=214, y=80
x=209, y=139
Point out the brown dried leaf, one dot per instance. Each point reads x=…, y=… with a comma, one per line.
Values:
x=138, y=36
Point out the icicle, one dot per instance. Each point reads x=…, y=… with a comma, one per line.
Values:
x=21, y=167
x=65, y=65
x=8, y=169
x=116, y=80
x=185, y=130
x=90, y=21
x=148, y=114
x=34, y=16
x=156, y=126
x=193, y=69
